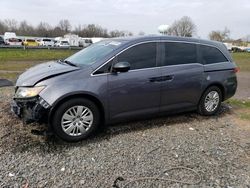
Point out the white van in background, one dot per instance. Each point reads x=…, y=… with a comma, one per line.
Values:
x=11, y=39
x=9, y=35
x=46, y=42
x=62, y=43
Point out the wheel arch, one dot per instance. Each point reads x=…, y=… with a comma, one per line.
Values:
x=67, y=97
x=217, y=84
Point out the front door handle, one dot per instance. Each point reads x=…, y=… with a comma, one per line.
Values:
x=155, y=79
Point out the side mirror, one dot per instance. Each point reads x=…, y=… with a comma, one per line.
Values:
x=121, y=67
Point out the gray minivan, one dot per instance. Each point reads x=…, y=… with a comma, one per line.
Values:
x=125, y=78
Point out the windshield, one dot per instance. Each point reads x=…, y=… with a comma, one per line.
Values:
x=91, y=54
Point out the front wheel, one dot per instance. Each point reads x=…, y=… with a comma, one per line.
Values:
x=210, y=101
x=76, y=119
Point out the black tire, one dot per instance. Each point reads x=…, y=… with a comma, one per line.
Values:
x=202, y=108
x=57, y=117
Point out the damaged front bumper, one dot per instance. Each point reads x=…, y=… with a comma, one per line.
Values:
x=31, y=110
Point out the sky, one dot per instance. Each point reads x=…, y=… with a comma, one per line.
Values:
x=135, y=15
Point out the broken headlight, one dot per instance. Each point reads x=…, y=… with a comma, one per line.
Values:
x=27, y=92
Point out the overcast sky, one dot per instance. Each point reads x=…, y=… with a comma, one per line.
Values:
x=135, y=15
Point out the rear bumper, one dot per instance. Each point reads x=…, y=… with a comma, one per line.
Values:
x=230, y=88
x=31, y=110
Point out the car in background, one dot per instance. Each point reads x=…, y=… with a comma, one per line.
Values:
x=30, y=42
x=62, y=43
x=46, y=42
x=247, y=50
x=2, y=41
x=85, y=43
x=237, y=49
x=13, y=42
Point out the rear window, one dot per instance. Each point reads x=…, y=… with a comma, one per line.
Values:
x=211, y=55
x=30, y=40
x=46, y=40
x=177, y=53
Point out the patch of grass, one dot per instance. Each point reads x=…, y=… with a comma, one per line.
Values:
x=242, y=108
x=9, y=75
x=239, y=103
x=245, y=116
x=242, y=60
x=17, y=65
x=34, y=54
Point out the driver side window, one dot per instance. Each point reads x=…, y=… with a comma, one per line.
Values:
x=140, y=56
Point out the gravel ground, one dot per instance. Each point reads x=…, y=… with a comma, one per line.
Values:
x=217, y=148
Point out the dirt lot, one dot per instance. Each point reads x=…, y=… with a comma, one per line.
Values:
x=205, y=151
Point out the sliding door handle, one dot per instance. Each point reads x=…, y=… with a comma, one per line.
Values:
x=168, y=78
x=162, y=78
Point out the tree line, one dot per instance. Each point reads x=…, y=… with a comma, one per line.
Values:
x=184, y=27
x=44, y=29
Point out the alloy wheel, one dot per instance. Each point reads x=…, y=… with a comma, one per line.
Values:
x=77, y=120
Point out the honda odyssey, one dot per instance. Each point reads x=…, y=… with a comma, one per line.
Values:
x=125, y=78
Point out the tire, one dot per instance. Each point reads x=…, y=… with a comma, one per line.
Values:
x=69, y=125
x=208, y=110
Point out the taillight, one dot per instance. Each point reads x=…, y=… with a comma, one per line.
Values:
x=236, y=69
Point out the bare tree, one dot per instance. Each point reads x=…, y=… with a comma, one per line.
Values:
x=25, y=29
x=65, y=25
x=93, y=30
x=184, y=27
x=3, y=27
x=11, y=24
x=116, y=33
x=43, y=29
x=220, y=35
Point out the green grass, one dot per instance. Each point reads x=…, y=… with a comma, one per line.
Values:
x=245, y=116
x=243, y=106
x=242, y=60
x=239, y=103
x=33, y=54
x=17, y=65
x=20, y=60
x=9, y=75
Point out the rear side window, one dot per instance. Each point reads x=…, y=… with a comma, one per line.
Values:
x=211, y=55
x=177, y=53
x=140, y=56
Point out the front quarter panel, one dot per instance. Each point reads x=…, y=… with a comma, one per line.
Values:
x=73, y=83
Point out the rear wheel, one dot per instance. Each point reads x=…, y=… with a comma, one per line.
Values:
x=210, y=101
x=76, y=119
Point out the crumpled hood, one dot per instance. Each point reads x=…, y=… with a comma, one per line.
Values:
x=42, y=72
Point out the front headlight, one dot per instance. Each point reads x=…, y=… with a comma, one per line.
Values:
x=27, y=92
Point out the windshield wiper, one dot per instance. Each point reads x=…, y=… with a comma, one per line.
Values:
x=67, y=62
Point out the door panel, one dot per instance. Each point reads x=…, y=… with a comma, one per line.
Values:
x=184, y=89
x=184, y=74
x=133, y=93
x=136, y=92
